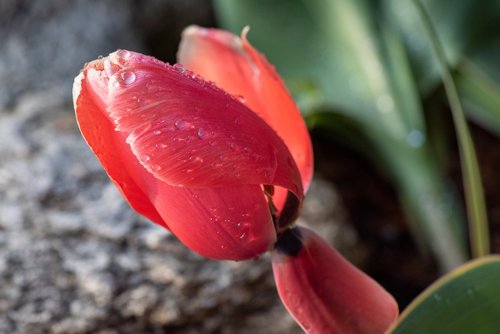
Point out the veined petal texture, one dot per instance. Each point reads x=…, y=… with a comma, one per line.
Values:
x=324, y=292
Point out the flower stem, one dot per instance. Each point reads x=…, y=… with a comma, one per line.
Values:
x=474, y=195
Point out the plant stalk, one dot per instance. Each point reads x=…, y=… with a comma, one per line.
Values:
x=474, y=194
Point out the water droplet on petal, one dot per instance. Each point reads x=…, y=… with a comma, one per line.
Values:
x=201, y=133
x=123, y=54
x=161, y=145
x=241, y=98
x=156, y=168
x=144, y=158
x=179, y=68
x=128, y=77
x=181, y=125
x=199, y=79
x=157, y=132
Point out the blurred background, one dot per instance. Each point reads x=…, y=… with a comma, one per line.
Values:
x=387, y=193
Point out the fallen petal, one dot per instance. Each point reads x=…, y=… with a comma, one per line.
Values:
x=324, y=292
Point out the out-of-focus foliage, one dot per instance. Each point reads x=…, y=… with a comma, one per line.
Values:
x=361, y=69
x=466, y=300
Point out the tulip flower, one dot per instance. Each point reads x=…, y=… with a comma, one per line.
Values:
x=223, y=164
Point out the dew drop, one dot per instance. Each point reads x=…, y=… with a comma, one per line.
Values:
x=199, y=79
x=240, y=98
x=128, y=77
x=161, y=145
x=108, y=67
x=195, y=159
x=201, y=133
x=144, y=158
x=157, y=132
x=123, y=54
x=181, y=125
x=156, y=168
x=179, y=68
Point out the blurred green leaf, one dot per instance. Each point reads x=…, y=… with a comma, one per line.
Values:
x=463, y=27
x=473, y=187
x=464, y=301
x=355, y=59
x=481, y=96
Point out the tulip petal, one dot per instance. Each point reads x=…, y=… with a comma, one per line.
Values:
x=186, y=131
x=324, y=292
x=231, y=223
x=100, y=136
x=234, y=65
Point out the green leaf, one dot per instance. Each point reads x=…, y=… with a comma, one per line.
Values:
x=458, y=29
x=473, y=188
x=481, y=96
x=466, y=301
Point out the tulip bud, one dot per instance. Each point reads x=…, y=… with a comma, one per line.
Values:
x=185, y=153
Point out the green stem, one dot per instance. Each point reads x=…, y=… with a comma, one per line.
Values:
x=474, y=195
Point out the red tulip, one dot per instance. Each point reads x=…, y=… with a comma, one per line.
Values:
x=225, y=173
x=324, y=292
x=191, y=157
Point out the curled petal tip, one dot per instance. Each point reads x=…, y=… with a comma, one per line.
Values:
x=324, y=292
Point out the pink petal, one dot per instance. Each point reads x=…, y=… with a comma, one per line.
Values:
x=100, y=136
x=186, y=131
x=232, y=223
x=324, y=292
x=233, y=64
